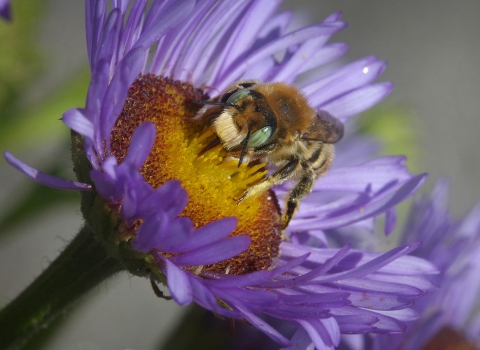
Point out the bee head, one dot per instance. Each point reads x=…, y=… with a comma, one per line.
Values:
x=246, y=123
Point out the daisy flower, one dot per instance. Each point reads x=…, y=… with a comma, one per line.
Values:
x=450, y=317
x=166, y=207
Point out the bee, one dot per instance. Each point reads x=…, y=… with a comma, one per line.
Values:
x=273, y=123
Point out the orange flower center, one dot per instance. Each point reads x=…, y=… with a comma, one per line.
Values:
x=212, y=180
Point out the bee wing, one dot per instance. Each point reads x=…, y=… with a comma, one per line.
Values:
x=206, y=114
x=325, y=128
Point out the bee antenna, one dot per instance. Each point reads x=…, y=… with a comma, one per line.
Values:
x=244, y=149
x=215, y=103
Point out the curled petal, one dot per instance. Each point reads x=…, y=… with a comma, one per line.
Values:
x=45, y=179
x=75, y=119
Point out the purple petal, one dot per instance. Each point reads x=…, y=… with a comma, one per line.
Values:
x=316, y=298
x=155, y=12
x=178, y=283
x=110, y=167
x=322, y=270
x=367, y=284
x=416, y=281
x=297, y=260
x=135, y=192
x=378, y=204
x=192, y=49
x=390, y=220
x=410, y=265
x=108, y=38
x=385, y=324
x=318, y=334
x=125, y=74
x=275, y=46
x=376, y=174
x=150, y=233
x=301, y=341
x=209, y=234
x=243, y=33
x=360, y=319
x=264, y=327
x=205, y=298
x=308, y=312
x=94, y=18
x=211, y=31
x=260, y=71
x=471, y=223
x=323, y=56
x=255, y=299
x=5, y=11
x=406, y=265
x=404, y=315
x=380, y=301
x=178, y=232
x=141, y=144
x=331, y=327
x=172, y=16
x=96, y=93
x=302, y=57
x=346, y=79
x=250, y=279
x=278, y=24
x=357, y=101
x=355, y=69
x=369, y=267
x=377, y=263
x=170, y=198
x=75, y=119
x=133, y=26
x=175, y=47
x=214, y=253
x=45, y=179
x=334, y=17
x=104, y=185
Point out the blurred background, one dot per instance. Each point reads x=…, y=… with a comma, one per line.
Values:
x=433, y=52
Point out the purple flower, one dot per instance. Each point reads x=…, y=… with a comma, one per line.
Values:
x=449, y=315
x=202, y=48
x=5, y=11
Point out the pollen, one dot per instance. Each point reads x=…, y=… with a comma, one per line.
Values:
x=212, y=179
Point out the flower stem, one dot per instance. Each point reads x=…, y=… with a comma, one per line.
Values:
x=80, y=267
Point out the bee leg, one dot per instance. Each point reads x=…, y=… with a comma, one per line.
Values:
x=277, y=178
x=303, y=187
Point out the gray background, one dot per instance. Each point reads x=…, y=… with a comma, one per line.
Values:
x=433, y=54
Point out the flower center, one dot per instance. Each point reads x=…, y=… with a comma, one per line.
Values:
x=212, y=180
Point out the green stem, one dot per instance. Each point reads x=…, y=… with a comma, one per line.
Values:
x=80, y=267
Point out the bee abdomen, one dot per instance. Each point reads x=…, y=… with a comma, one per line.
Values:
x=321, y=158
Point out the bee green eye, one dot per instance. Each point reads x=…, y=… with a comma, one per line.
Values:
x=237, y=96
x=260, y=137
